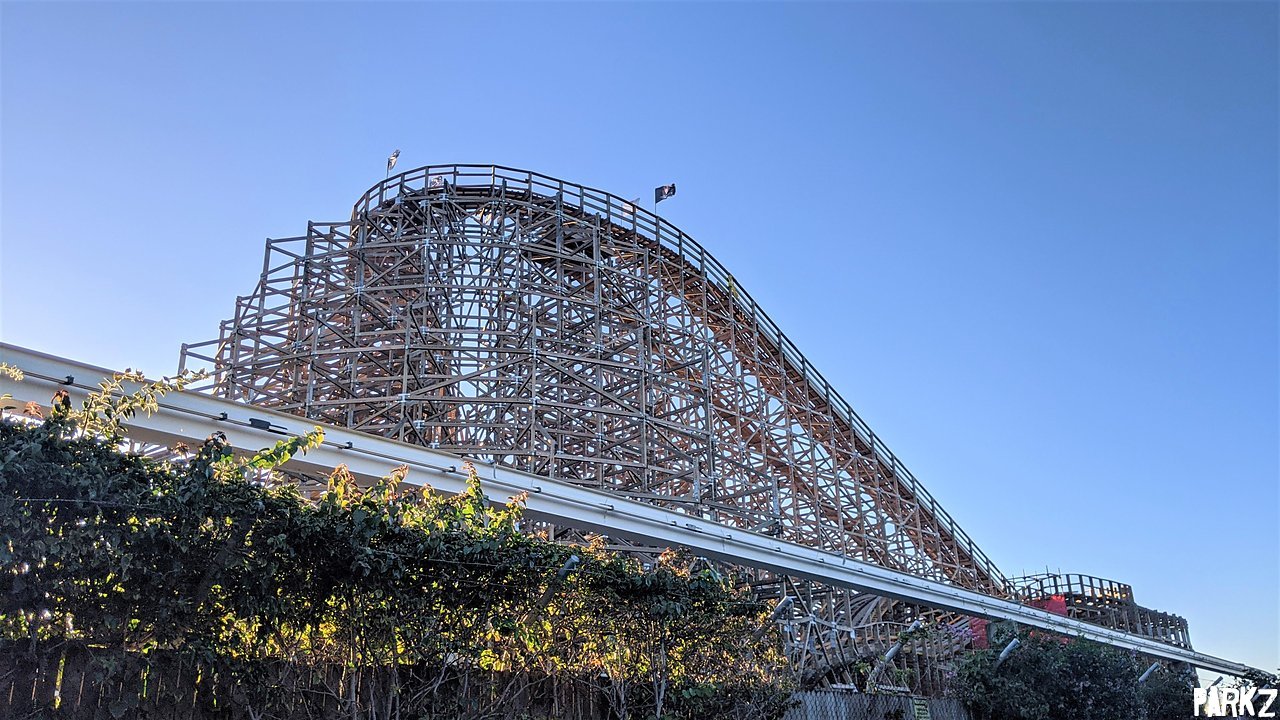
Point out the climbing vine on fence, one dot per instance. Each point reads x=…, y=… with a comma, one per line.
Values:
x=388, y=601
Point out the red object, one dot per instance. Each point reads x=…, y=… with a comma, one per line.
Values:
x=1056, y=604
x=978, y=629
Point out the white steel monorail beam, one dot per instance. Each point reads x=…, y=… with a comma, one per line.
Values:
x=190, y=417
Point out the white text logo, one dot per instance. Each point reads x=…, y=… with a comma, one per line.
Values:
x=1234, y=702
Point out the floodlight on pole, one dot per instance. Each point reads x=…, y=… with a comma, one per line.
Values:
x=567, y=568
x=783, y=605
x=778, y=611
x=889, y=656
x=561, y=574
x=1008, y=650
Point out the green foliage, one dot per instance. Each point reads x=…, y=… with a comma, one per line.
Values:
x=409, y=594
x=104, y=411
x=13, y=373
x=1048, y=678
x=1166, y=695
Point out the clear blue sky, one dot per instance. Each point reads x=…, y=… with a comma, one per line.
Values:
x=1034, y=244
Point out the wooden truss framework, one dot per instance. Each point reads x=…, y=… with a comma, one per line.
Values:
x=520, y=319
x=557, y=329
x=1104, y=602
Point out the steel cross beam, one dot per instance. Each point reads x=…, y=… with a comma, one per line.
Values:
x=190, y=416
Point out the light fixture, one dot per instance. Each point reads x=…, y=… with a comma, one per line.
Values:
x=1004, y=654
